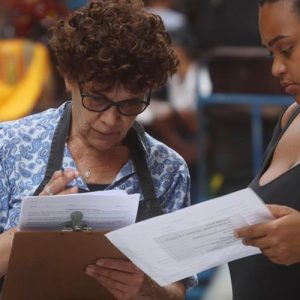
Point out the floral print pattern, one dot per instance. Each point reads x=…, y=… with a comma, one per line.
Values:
x=24, y=150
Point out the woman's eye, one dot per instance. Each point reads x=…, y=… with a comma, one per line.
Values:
x=271, y=55
x=287, y=52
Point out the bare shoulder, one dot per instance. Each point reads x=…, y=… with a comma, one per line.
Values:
x=288, y=113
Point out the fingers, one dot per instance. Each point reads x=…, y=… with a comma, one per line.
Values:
x=260, y=230
x=118, y=264
x=113, y=287
x=279, y=240
x=96, y=273
x=59, y=181
x=253, y=231
x=120, y=277
x=279, y=255
x=262, y=243
x=279, y=211
x=266, y=243
x=71, y=190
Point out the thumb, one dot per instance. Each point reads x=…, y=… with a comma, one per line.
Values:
x=279, y=211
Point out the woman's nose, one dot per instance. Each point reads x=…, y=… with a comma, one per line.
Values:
x=278, y=67
x=110, y=116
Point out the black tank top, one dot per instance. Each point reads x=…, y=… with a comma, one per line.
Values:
x=256, y=277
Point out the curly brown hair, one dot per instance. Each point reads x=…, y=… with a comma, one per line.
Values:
x=114, y=42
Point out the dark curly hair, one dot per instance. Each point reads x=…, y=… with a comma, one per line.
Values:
x=114, y=42
x=296, y=4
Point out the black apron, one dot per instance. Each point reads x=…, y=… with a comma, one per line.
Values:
x=149, y=207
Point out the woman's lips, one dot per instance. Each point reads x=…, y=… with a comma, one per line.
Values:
x=107, y=133
x=290, y=88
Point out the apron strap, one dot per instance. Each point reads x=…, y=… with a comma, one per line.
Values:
x=150, y=207
x=57, y=147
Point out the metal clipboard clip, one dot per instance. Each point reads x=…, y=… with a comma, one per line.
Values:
x=76, y=224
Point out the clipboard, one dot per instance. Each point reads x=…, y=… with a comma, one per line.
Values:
x=51, y=265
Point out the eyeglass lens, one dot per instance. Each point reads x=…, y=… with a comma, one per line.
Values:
x=126, y=107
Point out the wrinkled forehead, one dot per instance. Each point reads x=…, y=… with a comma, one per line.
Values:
x=278, y=18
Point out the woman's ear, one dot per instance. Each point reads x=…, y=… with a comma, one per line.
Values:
x=68, y=85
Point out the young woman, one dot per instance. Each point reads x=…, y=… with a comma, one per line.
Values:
x=274, y=274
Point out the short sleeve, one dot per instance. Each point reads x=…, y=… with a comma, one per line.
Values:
x=4, y=189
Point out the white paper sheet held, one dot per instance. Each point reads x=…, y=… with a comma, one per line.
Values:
x=177, y=245
x=103, y=210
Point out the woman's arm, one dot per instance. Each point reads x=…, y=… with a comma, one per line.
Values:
x=6, y=239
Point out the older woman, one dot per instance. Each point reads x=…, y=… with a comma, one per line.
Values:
x=111, y=55
x=275, y=273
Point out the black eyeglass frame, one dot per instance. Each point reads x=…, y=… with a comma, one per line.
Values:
x=117, y=104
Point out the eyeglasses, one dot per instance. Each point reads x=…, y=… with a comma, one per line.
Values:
x=100, y=103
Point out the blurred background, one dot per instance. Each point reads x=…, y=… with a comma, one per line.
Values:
x=218, y=111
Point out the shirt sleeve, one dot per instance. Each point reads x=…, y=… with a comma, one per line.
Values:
x=9, y=204
x=4, y=192
x=177, y=183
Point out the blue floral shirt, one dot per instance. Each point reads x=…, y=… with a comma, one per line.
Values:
x=24, y=150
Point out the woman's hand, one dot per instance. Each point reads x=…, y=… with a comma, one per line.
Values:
x=279, y=239
x=122, y=278
x=57, y=184
x=6, y=240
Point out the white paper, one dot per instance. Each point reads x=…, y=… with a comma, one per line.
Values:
x=174, y=246
x=105, y=210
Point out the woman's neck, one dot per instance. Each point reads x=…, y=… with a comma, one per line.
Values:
x=101, y=166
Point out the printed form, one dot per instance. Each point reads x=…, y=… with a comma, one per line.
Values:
x=105, y=210
x=177, y=245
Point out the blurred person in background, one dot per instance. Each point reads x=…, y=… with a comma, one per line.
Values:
x=173, y=19
x=6, y=29
x=215, y=22
x=274, y=274
x=26, y=79
x=32, y=18
x=172, y=115
x=28, y=82
x=112, y=54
